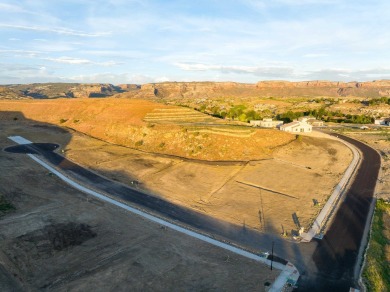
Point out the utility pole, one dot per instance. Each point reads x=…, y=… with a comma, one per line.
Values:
x=272, y=254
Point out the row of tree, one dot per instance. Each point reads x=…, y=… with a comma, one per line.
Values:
x=241, y=113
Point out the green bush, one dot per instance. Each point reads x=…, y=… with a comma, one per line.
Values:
x=139, y=143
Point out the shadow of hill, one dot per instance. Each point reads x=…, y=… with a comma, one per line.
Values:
x=243, y=236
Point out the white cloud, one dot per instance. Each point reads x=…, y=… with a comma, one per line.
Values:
x=348, y=74
x=122, y=78
x=4, y=7
x=315, y=55
x=77, y=61
x=58, y=30
x=21, y=53
x=254, y=70
x=69, y=60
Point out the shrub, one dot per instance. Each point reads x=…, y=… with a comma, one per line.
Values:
x=139, y=143
x=63, y=120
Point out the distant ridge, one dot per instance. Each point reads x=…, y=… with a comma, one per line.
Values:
x=178, y=90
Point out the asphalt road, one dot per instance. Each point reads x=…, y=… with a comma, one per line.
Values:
x=325, y=265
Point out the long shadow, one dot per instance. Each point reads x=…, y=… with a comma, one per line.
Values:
x=245, y=237
x=326, y=265
x=152, y=204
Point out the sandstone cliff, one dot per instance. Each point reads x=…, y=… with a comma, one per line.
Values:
x=177, y=90
x=6, y=93
x=64, y=90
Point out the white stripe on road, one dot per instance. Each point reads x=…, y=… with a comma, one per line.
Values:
x=19, y=140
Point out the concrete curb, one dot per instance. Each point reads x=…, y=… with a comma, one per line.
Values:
x=287, y=278
x=331, y=205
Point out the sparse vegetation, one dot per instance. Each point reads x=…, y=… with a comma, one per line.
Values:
x=377, y=269
x=139, y=143
x=5, y=206
x=63, y=121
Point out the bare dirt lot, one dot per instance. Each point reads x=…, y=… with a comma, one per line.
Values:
x=60, y=239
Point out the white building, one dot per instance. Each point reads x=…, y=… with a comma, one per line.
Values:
x=382, y=121
x=312, y=121
x=266, y=123
x=297, y=127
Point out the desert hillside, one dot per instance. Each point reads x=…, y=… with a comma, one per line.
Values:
x=179, y=90
x=151, y=127
x=62, y=90
x=173, y=90
x=6, y=93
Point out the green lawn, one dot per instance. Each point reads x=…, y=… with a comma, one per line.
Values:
x=376, y=272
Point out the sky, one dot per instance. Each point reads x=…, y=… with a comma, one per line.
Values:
x=134, y=41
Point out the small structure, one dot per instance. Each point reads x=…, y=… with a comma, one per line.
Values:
x=297, y=127
x=382, y=122
x=315, y=122
x=266, y=123
x=312, y=121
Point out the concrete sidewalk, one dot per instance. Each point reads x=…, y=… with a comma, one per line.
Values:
x=331, y=205
x=286, y=280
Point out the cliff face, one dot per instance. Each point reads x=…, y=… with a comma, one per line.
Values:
x=92, y=90
x=64, y=90
x=319, y=83
x=177, y=90
x=172, y=90
x=6, y=93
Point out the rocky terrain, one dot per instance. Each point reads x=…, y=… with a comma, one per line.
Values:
x=60, y=90
x=261, y=89
x=6, y=93
x=177, y=90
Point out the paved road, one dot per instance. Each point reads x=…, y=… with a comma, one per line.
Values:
x=336, y=254
x=324, y=265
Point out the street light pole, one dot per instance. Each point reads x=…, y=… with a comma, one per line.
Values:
x=272, y=254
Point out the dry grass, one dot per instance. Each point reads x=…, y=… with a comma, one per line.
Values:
x=127, y=122
x=377, y=269
x=127, y=250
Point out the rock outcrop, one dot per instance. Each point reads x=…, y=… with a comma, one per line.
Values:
x=177, y=90
x=6, y=93
x=65, y=90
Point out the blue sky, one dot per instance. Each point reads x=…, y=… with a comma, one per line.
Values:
x=134, y=41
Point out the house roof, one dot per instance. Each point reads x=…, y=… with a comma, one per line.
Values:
x=313, y=120
x=292, y=124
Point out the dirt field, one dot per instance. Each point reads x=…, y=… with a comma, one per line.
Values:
x=60, y=239
x=280, y=194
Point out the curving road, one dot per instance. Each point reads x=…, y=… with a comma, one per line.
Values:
x=325, y=265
